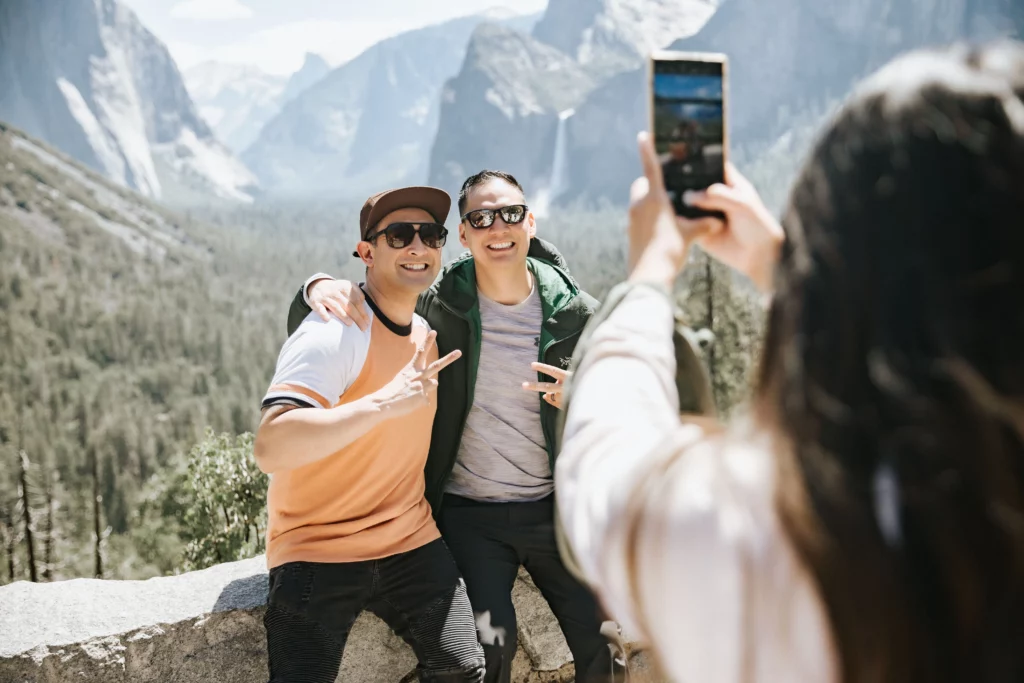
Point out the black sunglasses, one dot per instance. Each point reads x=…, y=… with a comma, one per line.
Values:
x=401, y=235
x=484, y=218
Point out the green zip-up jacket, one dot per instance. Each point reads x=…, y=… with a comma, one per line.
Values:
x=451, y=308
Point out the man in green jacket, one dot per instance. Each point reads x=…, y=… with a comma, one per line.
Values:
x=516, y=314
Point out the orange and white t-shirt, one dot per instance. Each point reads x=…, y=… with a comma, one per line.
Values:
x=365, y=501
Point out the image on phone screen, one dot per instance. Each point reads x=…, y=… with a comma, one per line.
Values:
x=689, y=126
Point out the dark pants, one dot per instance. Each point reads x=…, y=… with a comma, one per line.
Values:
x=489, y=542
x=419, y=594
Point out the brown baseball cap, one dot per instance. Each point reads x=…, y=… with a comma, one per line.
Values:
x=432, y=200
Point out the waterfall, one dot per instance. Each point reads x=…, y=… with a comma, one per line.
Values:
x=558, y=180
x=560, y=164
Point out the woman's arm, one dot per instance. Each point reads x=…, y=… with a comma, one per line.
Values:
x=663, y=520
x=623, y=405
x=672, y=521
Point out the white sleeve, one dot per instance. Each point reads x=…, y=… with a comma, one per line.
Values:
x=624, y=404
x=307, y=283
x=318, y=363
x=706, y=565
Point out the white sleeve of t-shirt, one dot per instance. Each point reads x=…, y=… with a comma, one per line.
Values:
x=318, y=363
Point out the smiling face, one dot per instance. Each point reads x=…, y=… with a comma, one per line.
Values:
x=409, y=270
x=501, y=245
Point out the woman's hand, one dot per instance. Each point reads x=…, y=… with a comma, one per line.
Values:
x=750, y=238
x=657, y=246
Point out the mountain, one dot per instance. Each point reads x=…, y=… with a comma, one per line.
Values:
x=87, y=77
x=817, y=50
x=536, y=94
x=503, y=108
x=823, y=47
x=313, y=68
x=367, y=124
x=510, y=18
x=235, y=99
x=613, y=35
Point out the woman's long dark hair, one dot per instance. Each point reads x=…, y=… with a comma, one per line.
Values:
x=893, y=370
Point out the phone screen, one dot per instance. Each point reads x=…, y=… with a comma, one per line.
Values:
x=689, y=126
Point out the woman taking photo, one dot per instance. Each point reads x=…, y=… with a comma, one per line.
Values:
x=864, y=521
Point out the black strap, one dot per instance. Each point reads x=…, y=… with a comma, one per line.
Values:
x=400, y=330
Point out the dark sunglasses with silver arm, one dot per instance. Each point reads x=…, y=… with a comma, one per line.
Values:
x=401, y=235
x=484, y=218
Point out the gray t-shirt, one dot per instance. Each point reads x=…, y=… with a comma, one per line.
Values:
x=503, y=456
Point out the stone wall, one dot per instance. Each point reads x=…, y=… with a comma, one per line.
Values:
x=208, y=626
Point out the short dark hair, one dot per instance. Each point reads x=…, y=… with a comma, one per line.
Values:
x=481, y=178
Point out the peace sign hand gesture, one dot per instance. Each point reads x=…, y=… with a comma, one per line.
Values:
x=552, y=390
x=416, y=384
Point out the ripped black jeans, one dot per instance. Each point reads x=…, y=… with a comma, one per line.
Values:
x=419, y=594
x=489, y=541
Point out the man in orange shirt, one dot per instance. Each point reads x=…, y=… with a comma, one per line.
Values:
x=345, y=433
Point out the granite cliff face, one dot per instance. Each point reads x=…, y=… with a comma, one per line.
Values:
x=610, y=35
x=87, y=77
x=313, y=68
x=234, y=99
x=502, y=110
x=516, y=103
x=787, y=57
x=237, y=100
x=819, y=49
x=369, y=123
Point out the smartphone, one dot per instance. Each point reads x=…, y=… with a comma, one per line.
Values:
x=688, y=122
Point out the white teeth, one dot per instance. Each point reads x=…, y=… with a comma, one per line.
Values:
x=500, y=245
x=415, y=266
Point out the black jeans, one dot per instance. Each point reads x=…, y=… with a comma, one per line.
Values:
x=489, y=542
x=419, y=594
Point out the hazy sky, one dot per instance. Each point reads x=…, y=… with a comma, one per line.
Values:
x=276, y=34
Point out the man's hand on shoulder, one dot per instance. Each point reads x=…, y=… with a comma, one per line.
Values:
x=342, y=298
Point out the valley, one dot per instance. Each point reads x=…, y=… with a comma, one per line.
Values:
x=156, y=222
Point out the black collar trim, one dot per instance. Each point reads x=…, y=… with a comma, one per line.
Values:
x=400, y=330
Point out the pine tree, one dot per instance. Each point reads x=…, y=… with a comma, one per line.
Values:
x=97, y=501
x=26, y=514
x=51, y=533
x=7, y=532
